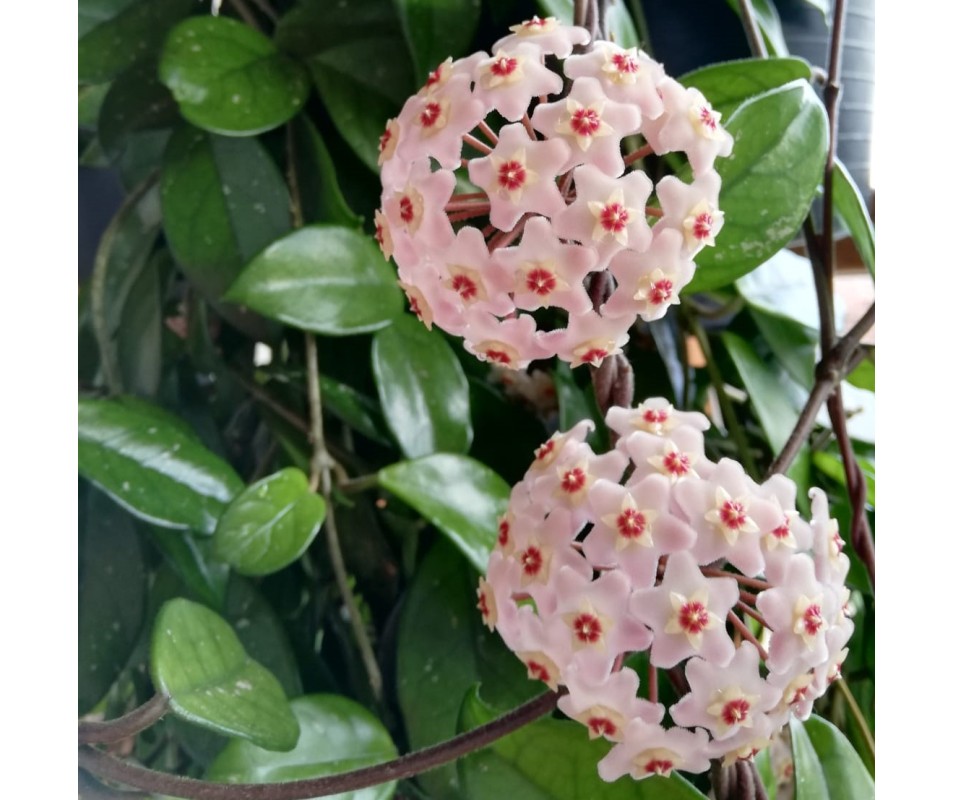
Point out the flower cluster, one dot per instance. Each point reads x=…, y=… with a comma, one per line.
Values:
x=713, y=574
x=559, y=195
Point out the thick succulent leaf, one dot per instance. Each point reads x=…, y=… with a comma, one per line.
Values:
x=443, y=649
x=322, y=278
x=269, y=524
x=126, y=32
x=424, y=393
x=200, y=664
x=112, y=590
x=337, y=735
x=229, y=78
x=152, y=465
x=551, y=759
x=729, y=84
x=768, y=182
x=460, y=496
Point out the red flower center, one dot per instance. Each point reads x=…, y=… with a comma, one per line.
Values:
x=676, y=463
x=659, y=766
x=624, y=62
x=593, y=355
x=541, y=281
x=585, y=121
x=573, y=480
x=631, y=524
x=531, y=560
x=660, y=291
x=813, y=619
x=503, y=66
x=735, y=711
x=503, y=533
x=587, y=628
x=693, y=617
x=601, y=726
x=614, y=217
x=464, y=286
x=406, y=209
x=430, y=114
x=512, y=175
x=707, y=118
x=702, y=225
x=732, y=514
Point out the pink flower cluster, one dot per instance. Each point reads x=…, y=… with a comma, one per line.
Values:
x=653, y=547
x=555, y=194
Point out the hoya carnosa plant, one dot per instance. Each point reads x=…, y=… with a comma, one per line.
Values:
x=653, y=548
x=512, y=183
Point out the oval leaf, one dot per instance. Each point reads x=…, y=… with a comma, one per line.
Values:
x=229, y=78
x=270, y=524
x=768, y=183
x=726, y=86
x=552, y=760
x=223, y=200
x=321, y=197
x=322, y=278
x=810, y=783
x=851, y=208
x=443, y=649
x=112, y=590
x=337, y=735
x=436, y=29
x=151, y=464
x=844, y=770
x=136, y=101
x=424, y=394
x=138, y=29
x=198, y=661
x=460, y=496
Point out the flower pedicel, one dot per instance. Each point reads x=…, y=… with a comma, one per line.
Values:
x=672, y=560
x=556, y=198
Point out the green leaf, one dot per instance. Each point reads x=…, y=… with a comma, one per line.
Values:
x=618, y=24
x=337, y=735
x=769, y=23
x=95, y=12
x=270, y=524
x=142, y=457
x=321, y=197
x=424, y=394
x=136, y=101
x=863, y=376
x=312, y=26
x=322, y=278
x=443, y=649
x=121, y=259
x=198, y=661
x=773, y=404
x=228, y=78
x=833, y=466
x=851, y=209
x=360, y=124
x=570, y=397
x=810, y=783
x=460, y=496
x=139, y=339
x=726, y=86
x=223, y=200
x=437, y=29
x=793, y=343
x=207, y=580
x=768, y=183
x=843, y=768
x=112, y=584
x=137, y=30
x=551, y=759
x=354, y=409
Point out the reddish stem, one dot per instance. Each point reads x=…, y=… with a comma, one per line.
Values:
x=477, y=144
x=486, y=130
x=642, y=152
x=746, y=634
x=653, y=212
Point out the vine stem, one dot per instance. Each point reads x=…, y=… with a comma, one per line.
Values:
x=115, y=730
x=842, y=686
x=321, y=463
x=106, y=766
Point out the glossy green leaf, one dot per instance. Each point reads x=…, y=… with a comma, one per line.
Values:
x=570, y=398
x=337, y=735
x=322, y=278
x=198, y=661
x=321, y=197
x=229, y=78
x=142, y=457
x=360, y=124
x=139, y=338
x=844, y=770
x=223, y=200
x=262, y=633
x=766, y=17
x=763, y=763
x=136, y=101
x=121, y=259
x=354, y=409
x=437, y=29
x=773, y=404
x=137, y=30
x=618, y=24
x=312, y=26
x=729, y=84
x=269, y=524
x=96, y=12
x=443, y=649
x=460, y=496
x=851, y=209
x=810, y=783
x=833, y=466
x=205, y=579
x=112, y=587
x=424, y=394
x=768, y=183
x=794, y=344
x=551, y=759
